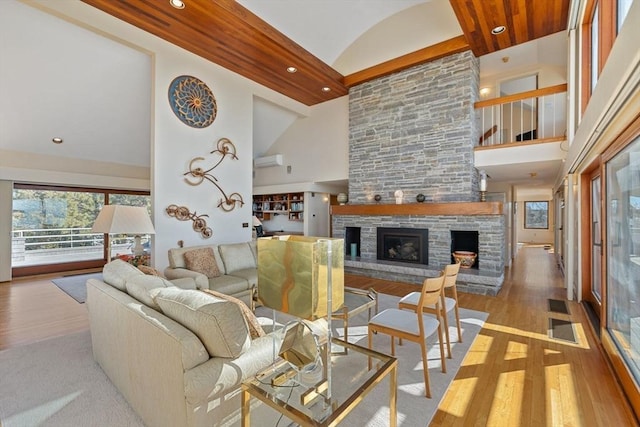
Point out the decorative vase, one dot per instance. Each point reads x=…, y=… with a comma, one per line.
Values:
x=343, y=198
x=465, y=258
x=420, y=198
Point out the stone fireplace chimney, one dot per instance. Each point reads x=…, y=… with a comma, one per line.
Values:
x=415, y=131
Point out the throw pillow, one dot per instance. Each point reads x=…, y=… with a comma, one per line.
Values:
x=219, y=324
x=255, y=328
x=203, y=261
x=149, y=270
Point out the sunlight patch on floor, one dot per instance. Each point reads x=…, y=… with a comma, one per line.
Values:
x=538, y=336
x=561, y=394
x=507, y=403
x=463, y=390
x=516, y=350
x=40, y=414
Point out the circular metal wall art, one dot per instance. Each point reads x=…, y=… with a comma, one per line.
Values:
x=192, y=101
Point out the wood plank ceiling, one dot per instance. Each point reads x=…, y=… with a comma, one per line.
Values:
x=226, y=33
x=524, y=20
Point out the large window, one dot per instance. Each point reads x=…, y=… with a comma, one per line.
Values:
x=51, y=227
x=623, y=253
x=536, y=215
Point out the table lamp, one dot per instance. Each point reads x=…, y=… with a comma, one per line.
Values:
x=118, y=219
x=302, y=276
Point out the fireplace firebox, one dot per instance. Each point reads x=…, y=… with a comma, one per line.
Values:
x=410, y=245
x=465, y=241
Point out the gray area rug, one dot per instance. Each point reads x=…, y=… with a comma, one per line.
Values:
x=57, y=383
x=76, y=286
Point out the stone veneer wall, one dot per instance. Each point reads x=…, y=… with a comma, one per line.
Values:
x=415, y=131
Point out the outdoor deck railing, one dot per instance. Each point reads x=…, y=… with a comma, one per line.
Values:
x=50, y=245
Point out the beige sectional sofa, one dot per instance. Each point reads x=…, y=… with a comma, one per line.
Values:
x=237, y=265
x=172, y=374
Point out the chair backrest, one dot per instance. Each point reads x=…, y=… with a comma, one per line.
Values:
x=431, y=291
x=451, y=274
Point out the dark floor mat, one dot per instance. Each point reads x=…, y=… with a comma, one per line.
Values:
x=562, y=330
x=558, y=306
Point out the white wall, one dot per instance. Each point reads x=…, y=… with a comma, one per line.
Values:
x=316, y=147
x=173, y=144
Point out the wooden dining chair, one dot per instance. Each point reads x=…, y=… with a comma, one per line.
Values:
x=447, y=304
x=414, y=325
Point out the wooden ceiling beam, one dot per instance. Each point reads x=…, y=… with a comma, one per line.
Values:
x=431, y=53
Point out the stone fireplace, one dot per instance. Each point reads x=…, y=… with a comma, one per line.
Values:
x=415, y=131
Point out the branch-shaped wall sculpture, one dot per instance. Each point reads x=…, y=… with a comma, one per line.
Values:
x=224, y=148
x=182, y=213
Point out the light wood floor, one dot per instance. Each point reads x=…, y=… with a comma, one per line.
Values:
x=513, y=375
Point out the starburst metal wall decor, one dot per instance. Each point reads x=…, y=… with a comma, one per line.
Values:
x=224, y=148
x=192, y=101
x=182, y=213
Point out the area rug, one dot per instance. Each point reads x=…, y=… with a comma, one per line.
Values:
x=76, y=286
x=56, y=382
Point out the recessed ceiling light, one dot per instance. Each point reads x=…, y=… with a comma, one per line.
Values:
x=57, y=140
x=326, y=89
x=291, y=70
x=178, y=4
x=498, y=30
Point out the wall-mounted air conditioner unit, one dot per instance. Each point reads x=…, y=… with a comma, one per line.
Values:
x=265, y=162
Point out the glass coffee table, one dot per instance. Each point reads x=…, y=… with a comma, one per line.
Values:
x=309, y=402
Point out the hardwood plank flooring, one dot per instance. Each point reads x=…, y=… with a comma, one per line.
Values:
x=513, y=375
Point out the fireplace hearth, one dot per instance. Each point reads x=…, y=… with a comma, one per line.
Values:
x=409, y=245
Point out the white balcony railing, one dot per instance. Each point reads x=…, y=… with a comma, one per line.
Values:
x=536, y=115
x=54, y=245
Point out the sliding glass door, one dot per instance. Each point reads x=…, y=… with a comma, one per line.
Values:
x=623, y=253
x=51, y=228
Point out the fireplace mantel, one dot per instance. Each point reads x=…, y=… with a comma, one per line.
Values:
x=451, y=208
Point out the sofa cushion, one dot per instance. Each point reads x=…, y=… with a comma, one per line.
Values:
x=229, y=284
x=117, y=272
x=237, y=256
x=140, y=286
x=218, y=323
x=176, y=256
x=203, y=261
x=255, y=328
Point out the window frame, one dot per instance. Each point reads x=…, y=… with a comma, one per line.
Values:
x=529, y=226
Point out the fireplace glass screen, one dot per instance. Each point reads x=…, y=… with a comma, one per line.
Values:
x=403, y=245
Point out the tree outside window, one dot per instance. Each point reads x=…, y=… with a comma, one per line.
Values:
x=536, y=215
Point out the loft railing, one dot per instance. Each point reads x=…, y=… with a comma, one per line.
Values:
x=536, y=115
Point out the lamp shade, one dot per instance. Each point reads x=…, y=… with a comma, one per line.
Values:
x=118, y=219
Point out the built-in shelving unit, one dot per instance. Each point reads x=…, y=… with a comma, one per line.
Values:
x=265, y=206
